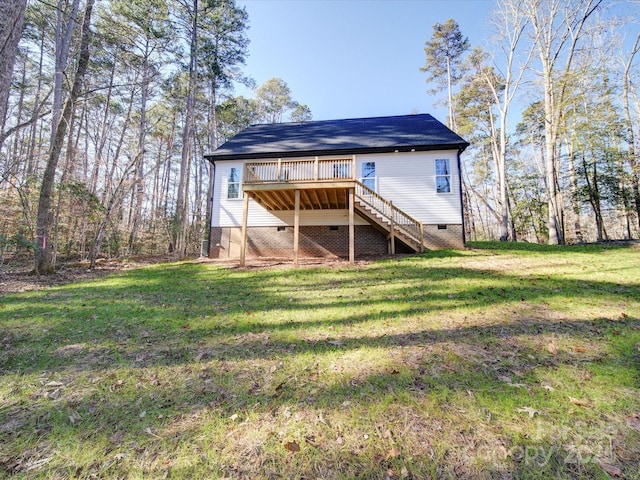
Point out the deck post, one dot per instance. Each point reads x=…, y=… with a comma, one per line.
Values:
x=316, y=169
x=392, y=228
x=243, y=243
x=421, y=237
x=296, y=227
x=353, y=167
x=352, y=255
x=279, y=177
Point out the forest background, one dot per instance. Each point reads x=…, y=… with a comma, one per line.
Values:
x=107, y=109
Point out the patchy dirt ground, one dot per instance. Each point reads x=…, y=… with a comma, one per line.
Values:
x=18, y=277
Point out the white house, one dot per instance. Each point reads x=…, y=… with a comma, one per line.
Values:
x=337, y=188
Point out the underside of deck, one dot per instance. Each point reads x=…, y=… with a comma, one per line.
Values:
x=317, y=196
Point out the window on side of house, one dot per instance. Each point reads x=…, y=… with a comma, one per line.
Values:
x=443, y=175
x=233, y=183
x=369, y=175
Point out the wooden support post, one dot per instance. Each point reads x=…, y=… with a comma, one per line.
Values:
x=296, y=227
x=352, y=254
x=316, y=169
x=393, y=229
x=421, y=237
x=279, y=170
x=243, y=244
x=353, y=167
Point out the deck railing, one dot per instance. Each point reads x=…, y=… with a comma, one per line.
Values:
x=281, y=171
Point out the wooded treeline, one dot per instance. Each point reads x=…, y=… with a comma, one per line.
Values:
x=110, y=111
x=552, y=113
x=107, y=109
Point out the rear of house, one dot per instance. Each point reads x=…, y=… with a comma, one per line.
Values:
x=340, y=188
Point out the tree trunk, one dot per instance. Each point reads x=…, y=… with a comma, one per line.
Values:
x=556, y=236
x=575, y=204
x=114, y=203
x=32, y=162
x=452, y=120
x=139, y=173
x=182, y=217
x=502, y=171
x=556, y=30
x=594, y=198
x=210, y=169
x=44, y=250
x=10, y=30
x=102, y=139
x=69, y=158
x=633, y=160
x=63, y=34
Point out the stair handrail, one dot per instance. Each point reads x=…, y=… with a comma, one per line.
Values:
x=401, y=220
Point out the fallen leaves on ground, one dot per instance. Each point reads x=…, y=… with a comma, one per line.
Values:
x=292, y=446
x=393, y=453
x=530, y=410
x=634, y=422
x=612, y=470
x=577, y=401
x=251, y=337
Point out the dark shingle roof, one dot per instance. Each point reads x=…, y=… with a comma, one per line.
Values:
x=329, y=137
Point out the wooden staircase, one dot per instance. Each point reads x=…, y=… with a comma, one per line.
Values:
x=382, y=214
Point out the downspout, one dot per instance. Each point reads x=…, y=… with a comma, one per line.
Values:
x=211, y=185
x=460, y=180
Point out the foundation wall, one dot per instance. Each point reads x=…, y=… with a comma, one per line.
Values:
x=438, y=237
x=321, y=241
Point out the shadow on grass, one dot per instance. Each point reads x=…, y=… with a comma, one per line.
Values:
x=130, y=404
x=161, y=357
x=162, y=309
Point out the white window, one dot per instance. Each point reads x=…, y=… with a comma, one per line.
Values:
x=233, y=183
x=369, y=175
x=443, y=175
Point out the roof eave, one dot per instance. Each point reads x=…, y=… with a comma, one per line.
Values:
x=212, y=157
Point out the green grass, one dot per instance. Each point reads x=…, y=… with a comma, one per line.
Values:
x=499, y=361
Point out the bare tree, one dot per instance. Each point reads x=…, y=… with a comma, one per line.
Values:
x=182, y=202
x=10, y=29
x=510, y=22
x=633, y=160
x=65, y=27
x=557, y=29
x=44, y=257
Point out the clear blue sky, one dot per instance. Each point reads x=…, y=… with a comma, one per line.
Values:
x=354, y=58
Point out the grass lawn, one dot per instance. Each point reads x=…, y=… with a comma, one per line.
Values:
x=501, y=361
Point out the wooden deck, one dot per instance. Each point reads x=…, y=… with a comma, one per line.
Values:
x=325, y=184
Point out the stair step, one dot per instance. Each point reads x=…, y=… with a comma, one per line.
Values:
x=377, y=217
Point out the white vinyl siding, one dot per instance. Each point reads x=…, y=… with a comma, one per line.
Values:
x=408, y=179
